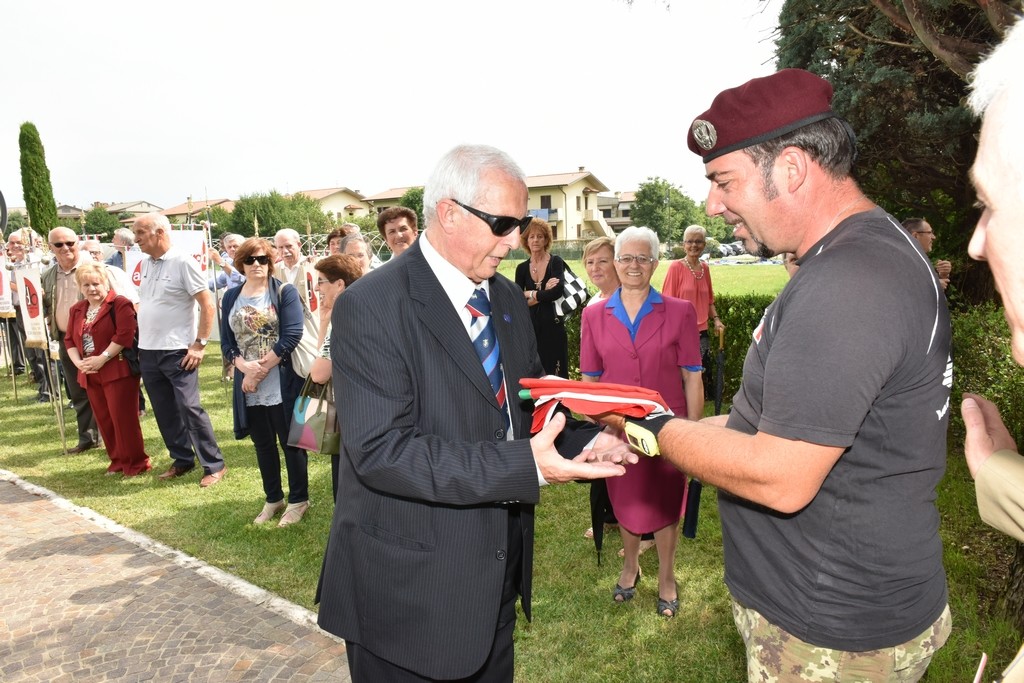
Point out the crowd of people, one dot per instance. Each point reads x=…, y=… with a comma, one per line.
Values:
x=115, y=343
x=826, y=466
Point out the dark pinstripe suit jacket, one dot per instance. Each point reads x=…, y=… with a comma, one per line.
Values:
x=414, y=566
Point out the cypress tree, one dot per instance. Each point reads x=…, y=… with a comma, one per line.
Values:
x=35, y=180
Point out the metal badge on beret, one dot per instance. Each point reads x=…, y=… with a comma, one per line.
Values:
x=704, y=133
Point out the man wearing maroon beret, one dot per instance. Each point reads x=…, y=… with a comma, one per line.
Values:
x=828, y=463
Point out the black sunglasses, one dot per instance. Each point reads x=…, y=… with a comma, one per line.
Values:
x=262, y=259
x=500, y=225
x=59, y=245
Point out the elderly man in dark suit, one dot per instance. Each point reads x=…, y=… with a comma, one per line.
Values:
x=432, y=536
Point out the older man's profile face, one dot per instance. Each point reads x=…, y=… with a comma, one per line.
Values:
x=998, y=175
x=925, y=236
x=473, y=248
x=146, y=237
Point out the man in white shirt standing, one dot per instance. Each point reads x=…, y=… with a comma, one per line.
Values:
x=171, y=347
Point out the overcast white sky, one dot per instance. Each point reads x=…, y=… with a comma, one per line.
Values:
x=156, y=101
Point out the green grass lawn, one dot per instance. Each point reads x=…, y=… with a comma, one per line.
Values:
x=578, y=634
x=745, y=279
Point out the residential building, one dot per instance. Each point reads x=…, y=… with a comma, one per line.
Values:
x=616, y=209
x=69, y=216
x=192, y=211
x=133, y=209
x=344, y=203
x=388, y=198
x=569, y=203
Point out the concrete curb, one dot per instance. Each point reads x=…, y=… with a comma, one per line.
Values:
x=289, y=610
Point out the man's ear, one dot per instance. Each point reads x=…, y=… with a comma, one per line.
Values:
x=795, y=164
x=447, y=214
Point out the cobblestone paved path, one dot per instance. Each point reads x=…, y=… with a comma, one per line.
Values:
x=84, y=600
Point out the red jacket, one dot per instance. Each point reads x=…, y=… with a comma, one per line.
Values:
x=102, y=333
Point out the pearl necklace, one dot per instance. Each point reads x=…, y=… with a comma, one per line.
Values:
x=697, y=274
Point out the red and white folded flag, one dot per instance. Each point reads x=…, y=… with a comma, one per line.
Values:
x=589, y=398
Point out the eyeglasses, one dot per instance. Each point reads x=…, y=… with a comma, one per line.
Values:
x=500, y=225
x=59, y=245
x=629, y=258
x=322, y=281
x=262, y=259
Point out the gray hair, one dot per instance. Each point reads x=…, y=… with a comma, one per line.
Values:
x=354, y=237
x=350, y=226
x=156, y=221
x=124, y=237
x=695, y=229
x=230, y=237
x=995, y=74
x=288, y=233
x=457, y=176
x=638, y=234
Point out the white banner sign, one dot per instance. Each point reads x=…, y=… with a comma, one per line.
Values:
x=192, y=242
x=32, y=306
x=6, y=305
x=133, y=266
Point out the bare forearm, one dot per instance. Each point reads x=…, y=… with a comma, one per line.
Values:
x=693, y=387
x=206, y=314
x=205, y=322
x=778, y=473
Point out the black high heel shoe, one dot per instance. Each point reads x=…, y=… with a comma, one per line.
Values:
x=620, y=594
x=668, y=608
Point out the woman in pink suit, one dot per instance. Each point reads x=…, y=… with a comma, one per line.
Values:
x=100, y=326
x=642, y=338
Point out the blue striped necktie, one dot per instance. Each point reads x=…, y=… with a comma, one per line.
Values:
x=481, y=332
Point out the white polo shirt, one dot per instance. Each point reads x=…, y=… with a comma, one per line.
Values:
x=168, y=315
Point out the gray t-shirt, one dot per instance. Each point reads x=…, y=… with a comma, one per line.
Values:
x=168, y=319
x=855, y=352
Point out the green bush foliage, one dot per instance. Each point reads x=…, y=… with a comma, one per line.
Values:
x=983, y=364
x=740, y=314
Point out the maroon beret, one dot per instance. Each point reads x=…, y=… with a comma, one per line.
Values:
x=759, y=110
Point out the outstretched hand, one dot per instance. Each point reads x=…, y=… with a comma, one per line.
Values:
x=598, y=463
x=986, y=432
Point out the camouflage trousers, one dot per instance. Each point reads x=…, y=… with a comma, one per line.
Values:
x=775, y=656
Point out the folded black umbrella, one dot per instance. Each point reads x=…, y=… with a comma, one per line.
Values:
x=600, y=511
x=695, y=487
x=720, y=372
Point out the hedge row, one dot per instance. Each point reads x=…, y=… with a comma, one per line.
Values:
x=981, y=354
